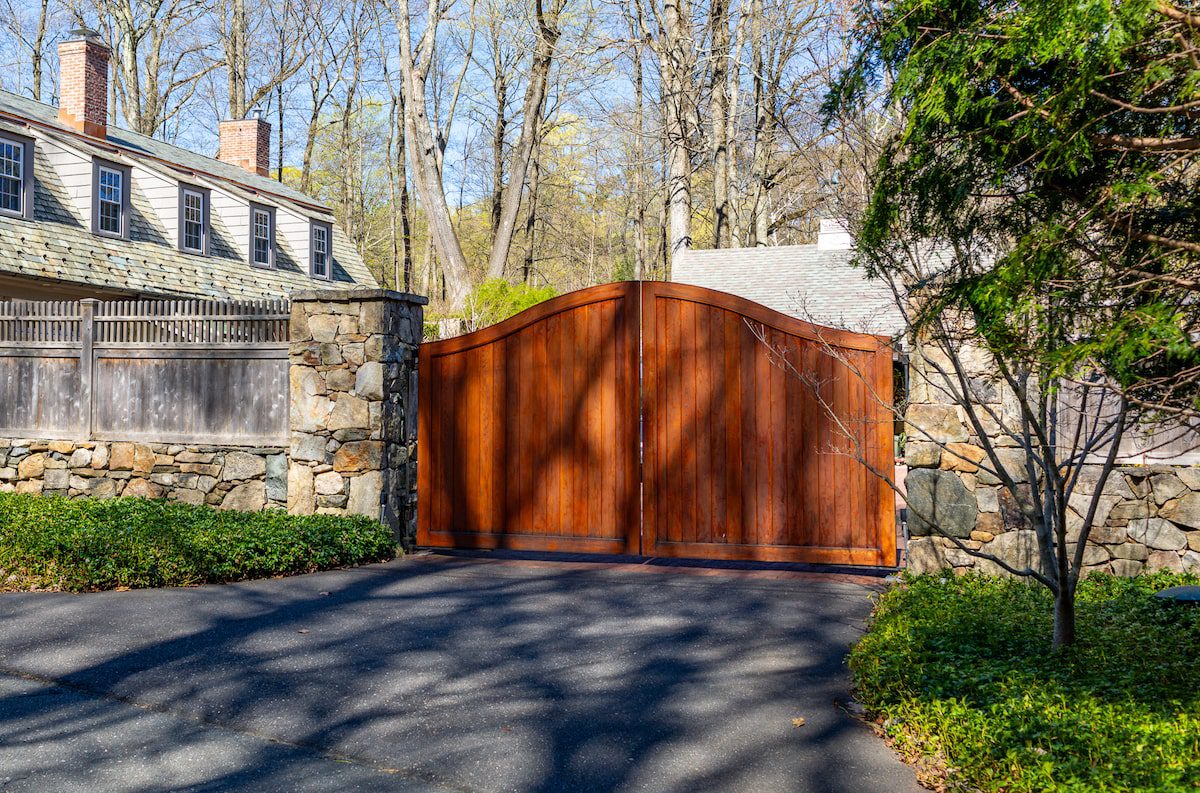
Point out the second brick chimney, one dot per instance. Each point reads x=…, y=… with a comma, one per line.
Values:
x=83, y=83
x=246, y=143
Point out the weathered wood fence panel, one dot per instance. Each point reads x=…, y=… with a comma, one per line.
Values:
x=169, y=371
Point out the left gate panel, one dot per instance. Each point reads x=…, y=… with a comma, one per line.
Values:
x=528, y=430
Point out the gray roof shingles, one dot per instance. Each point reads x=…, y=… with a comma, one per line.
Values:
x=58, y=243
x=820, y=286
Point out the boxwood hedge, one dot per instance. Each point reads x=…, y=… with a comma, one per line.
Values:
x=49, y=542
x=959, y=673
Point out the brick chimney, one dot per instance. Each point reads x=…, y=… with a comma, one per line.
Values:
x=246, y=143
x=83, y=83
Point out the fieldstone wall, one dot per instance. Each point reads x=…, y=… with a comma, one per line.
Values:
x=241, y=478
x=353, y=374
x=1148, y=516
x=353, y=429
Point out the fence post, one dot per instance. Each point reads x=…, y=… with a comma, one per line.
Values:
x=353, y=384
x=87, y=341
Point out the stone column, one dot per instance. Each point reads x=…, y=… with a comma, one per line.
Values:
x=353, y=377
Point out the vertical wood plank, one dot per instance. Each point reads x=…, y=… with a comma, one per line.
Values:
x=87, y=336
x=551, y=488
x=651, y=421
x=885, y=499
x=734, y=431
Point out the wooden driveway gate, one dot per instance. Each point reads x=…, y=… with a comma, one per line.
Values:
x=657, y=419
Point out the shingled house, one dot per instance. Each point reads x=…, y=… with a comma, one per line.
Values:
x=90, y=210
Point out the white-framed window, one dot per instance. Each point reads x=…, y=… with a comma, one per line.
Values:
x=262, y=236
x=112, y=199
x=322, y=261
x=193, y=219
x=16, y=176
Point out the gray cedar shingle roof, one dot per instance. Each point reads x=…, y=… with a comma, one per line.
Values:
x=819, y=286
x=58, y=243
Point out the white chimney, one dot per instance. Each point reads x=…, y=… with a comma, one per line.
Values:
x=834, y=236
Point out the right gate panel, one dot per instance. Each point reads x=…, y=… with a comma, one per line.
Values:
x=758, y=432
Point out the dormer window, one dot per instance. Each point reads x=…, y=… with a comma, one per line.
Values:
x=262, y=236
x=16, y=176
x=322, y=261
x=110, y=192
x=193, y=219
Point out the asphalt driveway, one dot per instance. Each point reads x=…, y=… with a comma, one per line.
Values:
x=440, y=674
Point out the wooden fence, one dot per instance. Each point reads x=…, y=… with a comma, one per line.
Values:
x=171, y=371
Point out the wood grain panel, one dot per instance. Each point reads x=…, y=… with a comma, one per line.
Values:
x=564, y=415
x=743, y=459
x=530, y=432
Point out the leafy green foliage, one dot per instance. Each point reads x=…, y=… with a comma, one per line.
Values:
x=54, y=543
x=496, y=299
x=958, y=670
x=1053, y=147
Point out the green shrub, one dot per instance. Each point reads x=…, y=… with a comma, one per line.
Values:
x=496, y=299
x=959, y=673
x=50, y=542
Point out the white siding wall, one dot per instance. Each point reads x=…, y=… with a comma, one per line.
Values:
x=74, y=170
x=294, y=228
x=234, y=213
x=163, y=195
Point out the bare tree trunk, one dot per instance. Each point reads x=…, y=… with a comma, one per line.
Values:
x=237, y=60
x=402, y=190
x=424, y=151
x=641, y=253
x=535, y=93
x=664, y=238
x=731, y=136
x=535, y=177
x=279, y=109
x=677, y=56
x=501, y=70
x=1064, y=619
x=235, y=42
x=319, y=66
x=393, y=192
x=720, y=122
x=759, y=218
x=39, y=41
x=310, y=143
x=348, y=181
x=499, y=131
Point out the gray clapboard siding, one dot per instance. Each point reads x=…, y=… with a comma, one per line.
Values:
x=1170, y=442
x=185, y=371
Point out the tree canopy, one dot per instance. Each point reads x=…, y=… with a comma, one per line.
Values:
x=1049, y=149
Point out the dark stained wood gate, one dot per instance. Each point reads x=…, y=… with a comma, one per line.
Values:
x=658, y=419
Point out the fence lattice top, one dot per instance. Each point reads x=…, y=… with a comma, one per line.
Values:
x=145, y=321
x=39, y=321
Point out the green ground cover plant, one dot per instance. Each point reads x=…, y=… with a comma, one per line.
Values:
x=959, y=674
x=52, y=543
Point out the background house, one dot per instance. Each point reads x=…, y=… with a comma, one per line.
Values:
x=89, y=210
x=816, y=283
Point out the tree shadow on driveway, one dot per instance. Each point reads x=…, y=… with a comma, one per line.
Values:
x=439, y=675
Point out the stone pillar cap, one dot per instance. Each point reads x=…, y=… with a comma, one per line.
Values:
x=347, y=295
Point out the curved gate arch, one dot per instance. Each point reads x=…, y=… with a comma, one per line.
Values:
x=659, y=419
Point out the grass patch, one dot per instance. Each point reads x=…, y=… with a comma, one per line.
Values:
x=959, y=673
x=49, y=542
